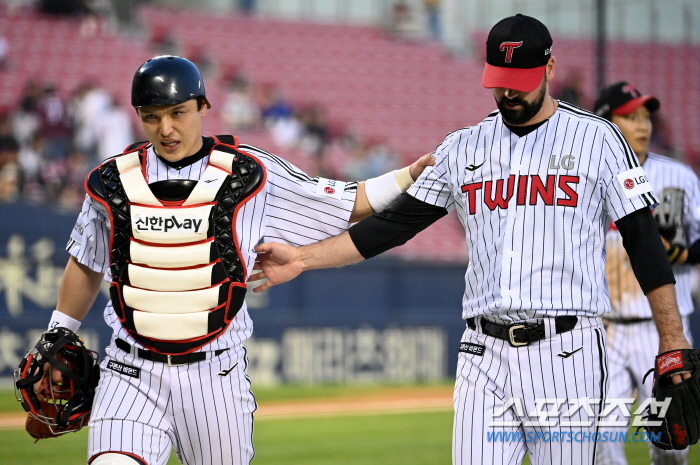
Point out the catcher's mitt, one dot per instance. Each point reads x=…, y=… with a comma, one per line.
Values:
x=57, y=408
x=680, y=426
x=669, y=219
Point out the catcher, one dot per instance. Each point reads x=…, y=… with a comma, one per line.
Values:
x=632, y=335
x=172, y=223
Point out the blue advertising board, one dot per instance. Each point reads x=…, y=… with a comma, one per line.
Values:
x=381, y=320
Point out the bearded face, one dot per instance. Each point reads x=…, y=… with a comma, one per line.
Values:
x=522, y=107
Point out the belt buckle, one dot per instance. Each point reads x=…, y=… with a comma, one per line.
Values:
x=170, y=362
x=511, y=336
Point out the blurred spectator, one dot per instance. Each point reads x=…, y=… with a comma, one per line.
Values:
x=9, y=172
x=380, y=159
x=113, y=132
x=205, y=61
x=4, y=51
x=246, y=7
x=239, y=110
x=25, y=121
x=168, y=44
x=7, y=139
x=432, y=10
x=31, y=162
x=273, y=105
x=74, y=171
x=314, y=137
x=403, y=25
x=286, y=131
x=354, y=169
x=32, y=93
x=54, y=123
x=89, y=104
x=571, y=91
x=63, y=180
x=369, y=161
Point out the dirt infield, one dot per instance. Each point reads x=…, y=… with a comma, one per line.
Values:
x=438, y=398
x=401, y=400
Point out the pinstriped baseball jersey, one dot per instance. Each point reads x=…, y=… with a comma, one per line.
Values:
x=287, y=210
x=535, y=210
x=626, y=297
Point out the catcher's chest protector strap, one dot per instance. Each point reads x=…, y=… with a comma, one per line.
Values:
x=178, y=278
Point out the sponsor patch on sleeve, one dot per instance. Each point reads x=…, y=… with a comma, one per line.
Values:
x=634, y=182
x=474, y=349
x=330, y=188
x=124, y=369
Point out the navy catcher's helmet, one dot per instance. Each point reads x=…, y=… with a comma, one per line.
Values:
x=167, y=80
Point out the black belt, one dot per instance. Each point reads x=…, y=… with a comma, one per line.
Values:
x=627, y=321
x=519, y=334
x=172, y=360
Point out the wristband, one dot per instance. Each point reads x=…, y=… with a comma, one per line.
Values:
x=62, y=320
x=404, y=179
x=382, y=191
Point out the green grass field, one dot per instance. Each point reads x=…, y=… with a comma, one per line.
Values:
x=390, y=438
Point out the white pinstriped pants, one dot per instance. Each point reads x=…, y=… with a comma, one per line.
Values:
x=206, y=417
x=632, y=350
x=488, y=383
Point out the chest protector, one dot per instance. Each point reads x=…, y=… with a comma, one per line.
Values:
x=178, y=277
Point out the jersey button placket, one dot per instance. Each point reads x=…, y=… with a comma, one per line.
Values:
x=509, y=256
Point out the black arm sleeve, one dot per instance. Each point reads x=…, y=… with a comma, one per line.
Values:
x=693, y=254
x=645, y=249
x=404, y=218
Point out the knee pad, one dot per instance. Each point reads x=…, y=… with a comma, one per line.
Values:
x=115, y=458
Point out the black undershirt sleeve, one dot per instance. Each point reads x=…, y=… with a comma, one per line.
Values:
x=393, y=227
x=645, y=250
x=693, y=254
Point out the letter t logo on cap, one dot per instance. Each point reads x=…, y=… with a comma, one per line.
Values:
x=510, y=46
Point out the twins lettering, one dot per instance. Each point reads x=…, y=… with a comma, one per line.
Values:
x=531, y=190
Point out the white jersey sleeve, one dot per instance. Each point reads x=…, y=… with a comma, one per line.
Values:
x=626, y=187
x=301, y=210
x=433, y=185
x=692, y=207
x=89, y=240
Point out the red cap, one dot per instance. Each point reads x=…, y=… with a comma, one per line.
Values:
x=517, y=52
x=622, y=98
x=633, y=104
x=523, y=80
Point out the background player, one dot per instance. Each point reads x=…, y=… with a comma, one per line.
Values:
x=535, y=185
x=172, y=224
x=632, y=336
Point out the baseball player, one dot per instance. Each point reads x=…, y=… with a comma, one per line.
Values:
x=632, y=336
x=535, y=185
x=171, y=224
